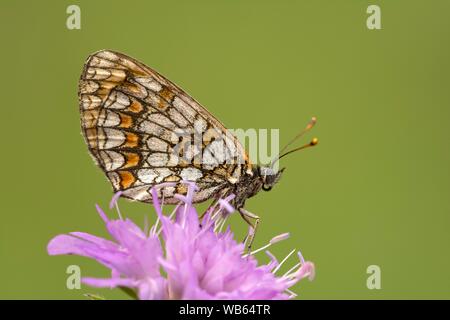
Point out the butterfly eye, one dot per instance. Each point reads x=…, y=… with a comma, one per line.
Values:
x=266, y=187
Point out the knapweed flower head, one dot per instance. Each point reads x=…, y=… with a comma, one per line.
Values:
x=181, y=257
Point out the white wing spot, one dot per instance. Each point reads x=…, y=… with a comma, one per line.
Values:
x=183, y=107
x=161, y=120
x=191, y=174
x=112, y=160
x=156, y=144
x=108, y=119
x=149, y=83
x=217, y=148
x=158, y=159
x=154, y=175
x=117, y=101
x=112, y=138
x=177, y=117
x=200, y=125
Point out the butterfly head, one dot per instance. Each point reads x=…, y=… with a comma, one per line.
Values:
x=269, y=177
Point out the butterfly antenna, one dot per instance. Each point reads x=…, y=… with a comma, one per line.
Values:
x=313, y=142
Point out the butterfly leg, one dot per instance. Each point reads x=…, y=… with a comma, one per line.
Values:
x=247, y=215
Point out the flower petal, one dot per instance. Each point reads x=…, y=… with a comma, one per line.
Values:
x=108, y=283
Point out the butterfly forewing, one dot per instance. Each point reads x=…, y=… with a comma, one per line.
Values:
x=139, y=128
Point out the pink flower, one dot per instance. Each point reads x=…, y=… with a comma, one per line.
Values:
x=198, y=260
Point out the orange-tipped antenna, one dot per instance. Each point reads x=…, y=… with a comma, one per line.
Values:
x=308, y=127
x=313, y=142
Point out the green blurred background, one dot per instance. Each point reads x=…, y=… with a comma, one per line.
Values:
x=374, y=192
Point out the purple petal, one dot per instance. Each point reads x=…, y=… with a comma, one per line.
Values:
x=114, y=199
x=192, y=188
x=225, y=205
x=101, y=213
x=65, y=244
x=273, y=260
x=94, y=239
x=108, y=283
x=153, y=289
x=156, y=203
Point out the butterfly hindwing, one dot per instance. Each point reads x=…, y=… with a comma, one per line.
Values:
x=134, y=121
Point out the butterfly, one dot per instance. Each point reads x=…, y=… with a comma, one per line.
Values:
x=139, y=128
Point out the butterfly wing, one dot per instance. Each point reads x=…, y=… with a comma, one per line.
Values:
x=139, y=127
